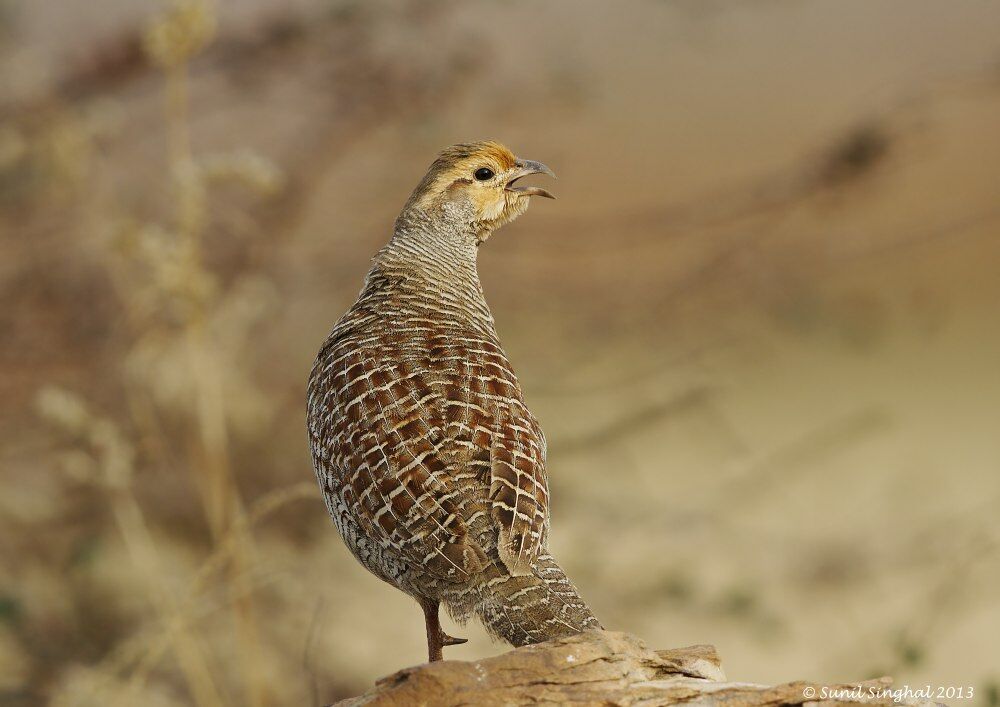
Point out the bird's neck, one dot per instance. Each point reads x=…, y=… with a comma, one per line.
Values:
x=436, y=240
x=436, y=259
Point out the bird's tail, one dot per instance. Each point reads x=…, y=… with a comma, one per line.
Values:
x=534, y=608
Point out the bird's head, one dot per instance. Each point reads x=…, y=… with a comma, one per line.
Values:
x=473, y=186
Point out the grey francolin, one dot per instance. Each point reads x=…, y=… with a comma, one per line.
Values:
x=432, y=466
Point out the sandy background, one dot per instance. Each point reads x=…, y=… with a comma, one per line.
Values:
x=759, y=326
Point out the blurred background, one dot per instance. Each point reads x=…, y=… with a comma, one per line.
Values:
x=759, y=326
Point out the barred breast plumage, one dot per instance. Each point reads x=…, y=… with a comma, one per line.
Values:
x=431, y=464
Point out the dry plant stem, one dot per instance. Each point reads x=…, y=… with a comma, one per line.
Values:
x=115, y=460
x=221, y=500
x=142, y=551
x=219, y=493
x=160, y=639
x=154, y=646
x=214, y=483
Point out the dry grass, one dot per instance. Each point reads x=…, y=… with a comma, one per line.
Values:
x=169, y=258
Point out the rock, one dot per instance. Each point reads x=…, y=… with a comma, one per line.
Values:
x=604, y=668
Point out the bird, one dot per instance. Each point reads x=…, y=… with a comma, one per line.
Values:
x=430, y=462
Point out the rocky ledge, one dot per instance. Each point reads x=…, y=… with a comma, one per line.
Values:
x=605, y=668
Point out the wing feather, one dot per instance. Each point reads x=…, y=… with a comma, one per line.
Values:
x=392, y=470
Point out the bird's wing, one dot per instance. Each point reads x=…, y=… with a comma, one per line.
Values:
x=482, y=411
x=390, y=469
x=518, y=490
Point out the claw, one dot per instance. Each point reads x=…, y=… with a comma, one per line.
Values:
x=447, y=640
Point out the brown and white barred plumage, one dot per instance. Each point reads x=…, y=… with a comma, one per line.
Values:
x=432, y=466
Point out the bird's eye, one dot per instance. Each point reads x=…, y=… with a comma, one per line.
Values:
x=483, y=173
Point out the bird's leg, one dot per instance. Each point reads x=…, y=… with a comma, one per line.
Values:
x=436, y=638
x=433, y=626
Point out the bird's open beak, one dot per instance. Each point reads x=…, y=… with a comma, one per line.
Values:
x=525, y=168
